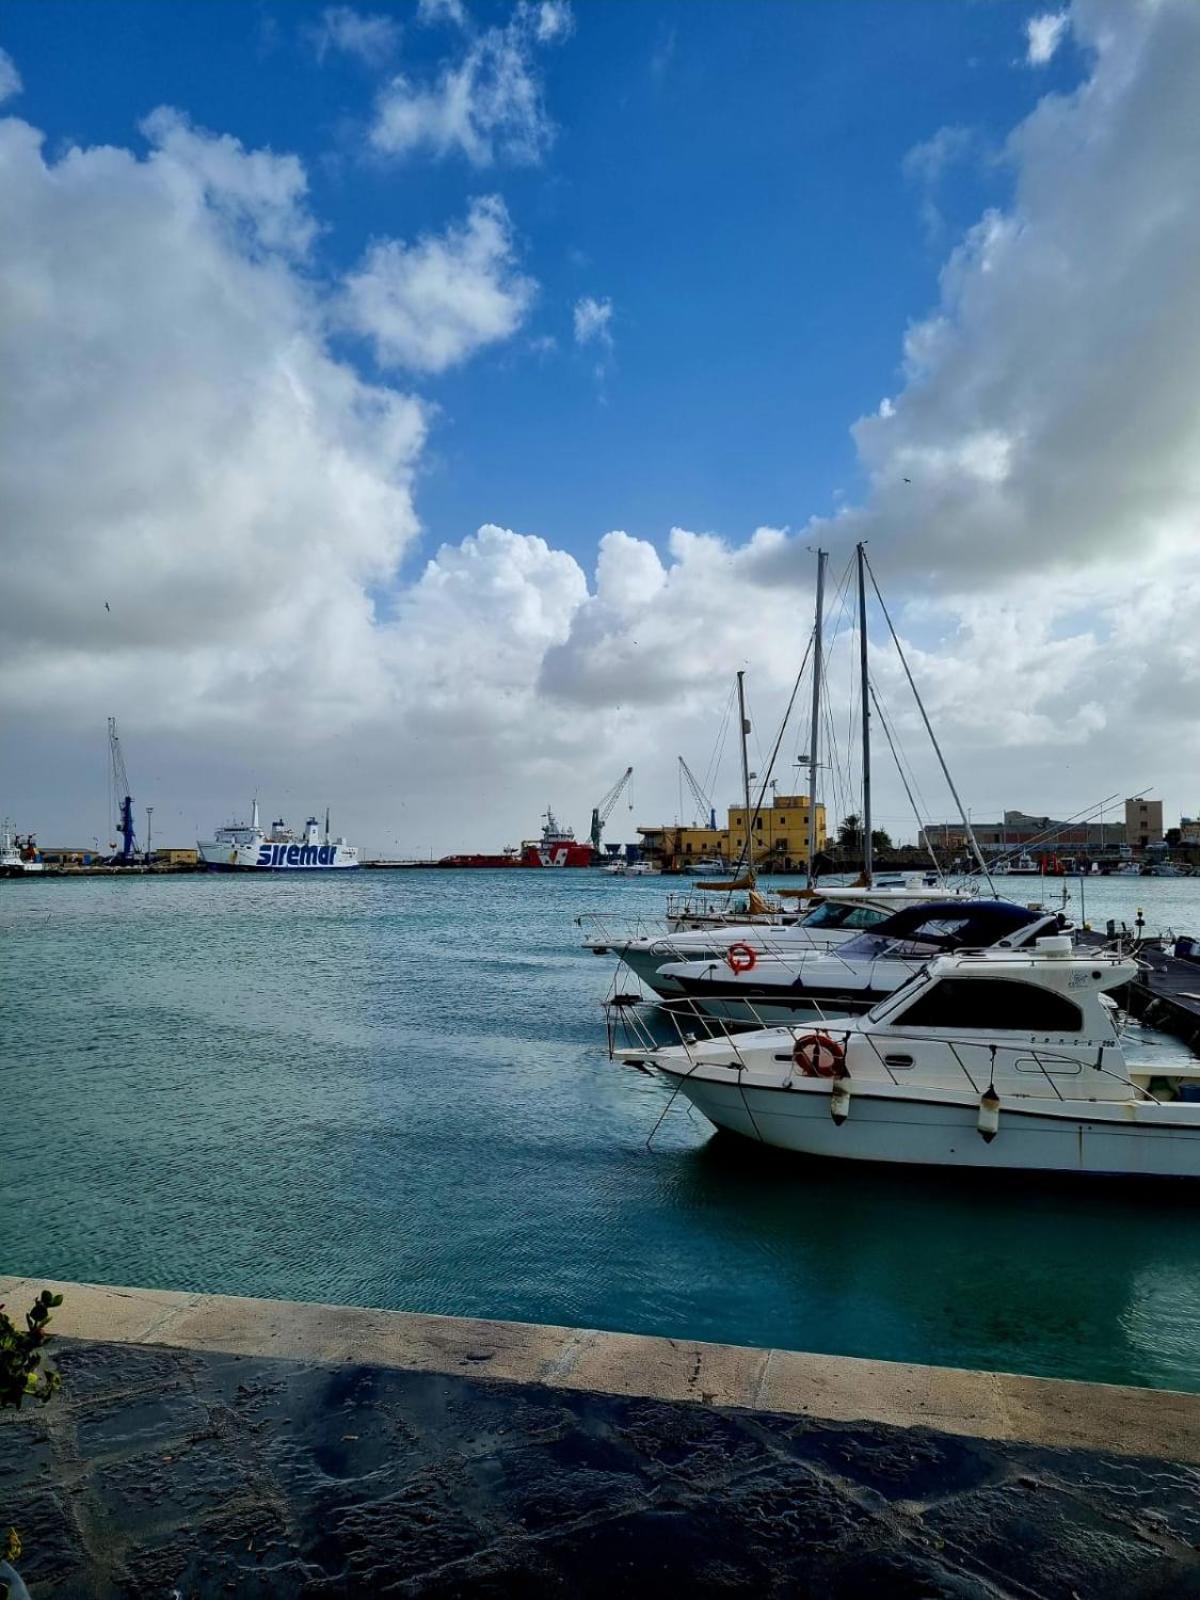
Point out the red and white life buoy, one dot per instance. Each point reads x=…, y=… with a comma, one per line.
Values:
x=818, y=1056
x=741, y=957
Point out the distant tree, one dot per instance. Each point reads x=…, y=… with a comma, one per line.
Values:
x=850, y=837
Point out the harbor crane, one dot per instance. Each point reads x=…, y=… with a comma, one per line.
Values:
x=602, y=812
x=707, y=809
x=120, y=799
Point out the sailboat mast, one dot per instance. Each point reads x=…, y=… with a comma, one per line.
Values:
x=741, y=690
x=868, y=862
x=814, y=736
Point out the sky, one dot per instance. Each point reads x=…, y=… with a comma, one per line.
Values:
x=425, y=409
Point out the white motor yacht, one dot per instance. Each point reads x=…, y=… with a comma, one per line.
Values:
x=741, y=986
x=1001, y=1059
x=831, y=920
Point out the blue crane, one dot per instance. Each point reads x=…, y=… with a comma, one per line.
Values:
x=120, y=799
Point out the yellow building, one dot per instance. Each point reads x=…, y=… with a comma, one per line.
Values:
x=779, y=829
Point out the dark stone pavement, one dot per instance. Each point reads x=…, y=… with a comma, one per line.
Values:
x=172, y=1473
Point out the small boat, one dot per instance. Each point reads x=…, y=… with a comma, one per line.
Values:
x=708, y=867
x=620, y=868
x=1002, y=1059
x=1021, y=866
x=18, y=855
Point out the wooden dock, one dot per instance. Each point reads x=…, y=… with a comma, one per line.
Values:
x=1166, y=994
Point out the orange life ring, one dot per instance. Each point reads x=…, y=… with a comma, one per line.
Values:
x=741, y=958
x=818, y=1056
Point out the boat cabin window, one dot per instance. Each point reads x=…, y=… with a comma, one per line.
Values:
x=995, y=1003
x=830, y=915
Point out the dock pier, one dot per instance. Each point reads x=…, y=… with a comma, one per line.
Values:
x=207, y=1445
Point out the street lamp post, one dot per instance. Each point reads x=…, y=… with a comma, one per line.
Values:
x=149, y=825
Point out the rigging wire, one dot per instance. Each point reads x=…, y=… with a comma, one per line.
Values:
x=887, y=733
x=929, y=726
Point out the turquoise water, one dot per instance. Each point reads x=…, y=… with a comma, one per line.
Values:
x=392, y=1090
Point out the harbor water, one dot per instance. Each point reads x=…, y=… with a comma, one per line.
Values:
x=391, y=1089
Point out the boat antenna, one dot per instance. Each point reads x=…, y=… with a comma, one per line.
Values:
x=966, y=821
x=868, y=854
x=741, y=693
x=326, y=824
x=813, y=741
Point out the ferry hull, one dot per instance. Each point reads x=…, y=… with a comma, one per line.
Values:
x=279, y=858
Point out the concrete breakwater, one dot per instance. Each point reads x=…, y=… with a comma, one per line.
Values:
x=217, y=1445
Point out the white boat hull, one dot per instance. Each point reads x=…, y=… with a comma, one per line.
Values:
x=1138, y=1140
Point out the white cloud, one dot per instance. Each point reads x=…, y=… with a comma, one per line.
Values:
x=186, y=448
x=928, y=161
x=1049, y=419
x=592, y=319
x=370, y=36
x=553, y=20
x=431, y=12
x=10, y=78
x=1043, y=35
x=430, y=305
x=486, y=105
x=259, y=194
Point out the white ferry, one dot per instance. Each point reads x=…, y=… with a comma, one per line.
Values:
x=241, y=848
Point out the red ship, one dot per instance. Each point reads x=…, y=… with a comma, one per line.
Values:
x=558, y=847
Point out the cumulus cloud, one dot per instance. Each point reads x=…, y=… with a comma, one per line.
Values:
x=1049, y=413
x=10, y=78
x=592, y=319
x=186, y=447
x=486, y=105
x=430, y=305
x=1043, y=35
x=370, y=36
x=652, y=631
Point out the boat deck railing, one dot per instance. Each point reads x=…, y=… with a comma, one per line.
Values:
x=975, y=1058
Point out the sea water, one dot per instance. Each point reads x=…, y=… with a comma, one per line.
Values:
x=391, y=1089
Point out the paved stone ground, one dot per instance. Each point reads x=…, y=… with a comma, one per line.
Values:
x=175, y=1473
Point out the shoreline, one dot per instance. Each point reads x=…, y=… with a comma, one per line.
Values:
x=1059, y=1413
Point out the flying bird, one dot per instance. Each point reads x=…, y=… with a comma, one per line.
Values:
x=908, y=480
x=107, y=607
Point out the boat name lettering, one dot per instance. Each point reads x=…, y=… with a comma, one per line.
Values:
x=296, y=855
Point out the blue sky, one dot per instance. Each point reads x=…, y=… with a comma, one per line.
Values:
x=729, y=175
x=447, y=397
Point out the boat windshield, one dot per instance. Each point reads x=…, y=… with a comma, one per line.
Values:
x=831, y=914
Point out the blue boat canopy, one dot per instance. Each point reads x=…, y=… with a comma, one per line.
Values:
x=940, y=925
